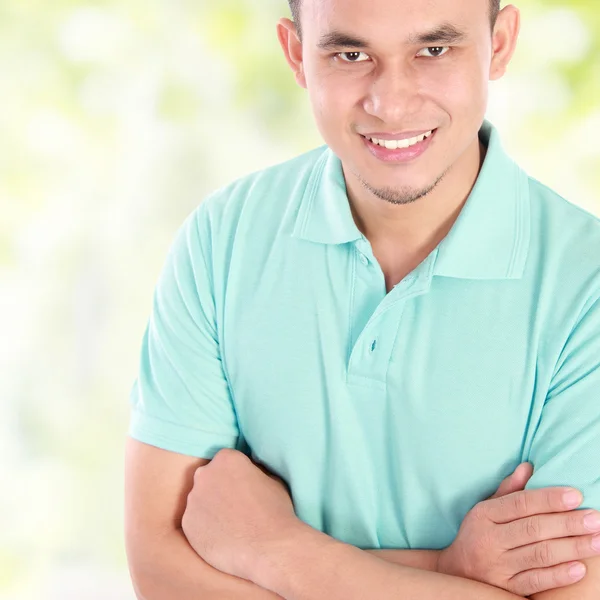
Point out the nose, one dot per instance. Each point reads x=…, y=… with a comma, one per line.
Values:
x=393, y=95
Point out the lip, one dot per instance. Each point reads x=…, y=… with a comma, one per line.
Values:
x=406, y=135
x=400, y=155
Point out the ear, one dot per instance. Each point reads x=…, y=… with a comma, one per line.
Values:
x=292, y=48
x=504, y=40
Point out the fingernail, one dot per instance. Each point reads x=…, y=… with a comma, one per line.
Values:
x=572, y=498
x=596, y=543
x=577, y=571
x=592, y=521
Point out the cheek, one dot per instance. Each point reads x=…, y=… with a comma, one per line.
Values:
x=456, y=90
x=333, y=98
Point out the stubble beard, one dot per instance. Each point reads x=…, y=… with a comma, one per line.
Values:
x=403, y=195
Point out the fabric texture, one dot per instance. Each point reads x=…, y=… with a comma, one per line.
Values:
x=389, y=415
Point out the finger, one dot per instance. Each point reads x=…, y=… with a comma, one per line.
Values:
x=515, y=481
x=551, y=552
x=531, y=582
x=523, y=474
x=546, y=527
x=528, y=503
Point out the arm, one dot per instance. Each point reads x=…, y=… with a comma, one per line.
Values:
x=242, y=522
x=427, y=560
x=162, y=564
x=181, y=403
x=343, y=572
x=563, y=451
x=566, y=445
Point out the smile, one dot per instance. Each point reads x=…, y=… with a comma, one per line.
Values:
x=396, y=144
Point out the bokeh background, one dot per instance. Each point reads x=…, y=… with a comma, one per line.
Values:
x=116, y=118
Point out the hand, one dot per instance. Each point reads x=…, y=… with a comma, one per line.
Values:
x=519, y=540
x=235, y=508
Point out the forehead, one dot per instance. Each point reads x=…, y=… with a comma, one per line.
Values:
x=393, y=18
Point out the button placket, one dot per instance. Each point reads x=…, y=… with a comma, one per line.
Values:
x=370, y=357
x=376, y=320
x=372, y=353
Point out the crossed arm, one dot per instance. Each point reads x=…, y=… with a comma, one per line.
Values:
x=345, y=572
x=164, y=566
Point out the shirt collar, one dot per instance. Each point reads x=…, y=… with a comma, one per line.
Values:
x=325, y=215
x=489, y=239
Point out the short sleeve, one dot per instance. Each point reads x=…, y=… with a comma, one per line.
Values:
x=566, y=446
x=180, y=400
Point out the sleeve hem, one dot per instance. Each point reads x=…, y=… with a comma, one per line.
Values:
x=176, y=438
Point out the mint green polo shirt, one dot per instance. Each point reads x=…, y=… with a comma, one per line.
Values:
x=389, y=415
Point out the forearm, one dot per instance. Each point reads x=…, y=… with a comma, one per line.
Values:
x=317, y=567
x=174, y=570
x=418, y=559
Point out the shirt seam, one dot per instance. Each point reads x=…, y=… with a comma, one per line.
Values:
x=519, y=225
x=312, y=192
x=351, y=314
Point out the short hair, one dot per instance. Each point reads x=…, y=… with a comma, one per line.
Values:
x=295, y=6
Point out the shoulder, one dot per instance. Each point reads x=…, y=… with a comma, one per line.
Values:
x=566, y=267
x=562, y=218
x=241, y=221
x=255, y=204
x=262, y=197
x=568, y=234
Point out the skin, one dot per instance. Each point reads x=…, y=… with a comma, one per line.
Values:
x=240, y=520
x=396, y=86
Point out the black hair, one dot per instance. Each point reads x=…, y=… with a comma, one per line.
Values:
x=296, y=5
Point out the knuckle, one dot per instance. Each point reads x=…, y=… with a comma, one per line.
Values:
x=533, y=527
x=526, y=583
x=543, y=554
x=228, y=456
x=225, y=453
x=479, y=511
x=535, y=583
x=522, y=503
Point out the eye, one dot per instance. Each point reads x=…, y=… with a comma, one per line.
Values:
x=434, y=51
x=352, y=57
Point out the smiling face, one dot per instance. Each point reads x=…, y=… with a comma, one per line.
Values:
x=396, y=71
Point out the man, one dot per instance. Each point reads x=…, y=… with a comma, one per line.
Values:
x=388, y=326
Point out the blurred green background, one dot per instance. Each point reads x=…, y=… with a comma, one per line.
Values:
x=116, y=119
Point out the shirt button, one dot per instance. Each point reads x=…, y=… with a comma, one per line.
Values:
x=363, y=259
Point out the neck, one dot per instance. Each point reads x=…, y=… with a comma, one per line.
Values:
x=420, y=226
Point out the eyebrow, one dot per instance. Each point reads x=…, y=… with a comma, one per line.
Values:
x=446, y=33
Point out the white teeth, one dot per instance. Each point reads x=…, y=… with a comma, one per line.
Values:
x=395, y=144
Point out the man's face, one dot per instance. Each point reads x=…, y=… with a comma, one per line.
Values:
x=397, y=84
